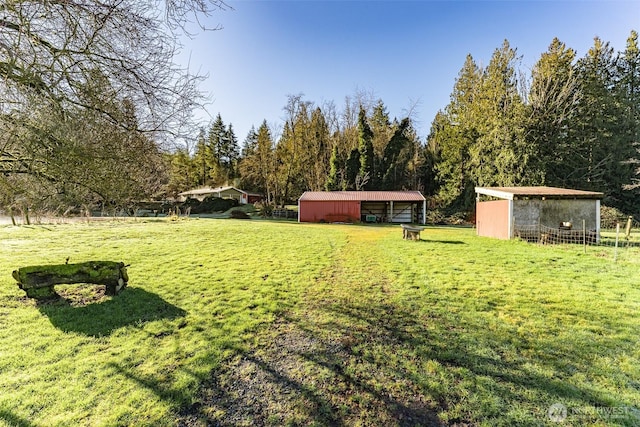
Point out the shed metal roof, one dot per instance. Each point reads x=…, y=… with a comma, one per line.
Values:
x=510, y=193
x=363, y=196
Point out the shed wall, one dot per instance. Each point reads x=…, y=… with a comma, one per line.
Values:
x=329, y=211
x=492, y=219
x=552, y=212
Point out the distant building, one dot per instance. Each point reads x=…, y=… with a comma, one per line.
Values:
x=243, y=197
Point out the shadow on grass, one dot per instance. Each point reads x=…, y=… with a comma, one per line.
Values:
x=257, y=391
x=445, y=242
x=132, y=306
x=386, y=330
x=159, y=388
x=13, y=420
x=306, y=374
x=365, y=364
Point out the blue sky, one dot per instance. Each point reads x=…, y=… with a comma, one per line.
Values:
x=402, y=52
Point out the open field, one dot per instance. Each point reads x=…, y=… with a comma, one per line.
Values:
x=230, y=322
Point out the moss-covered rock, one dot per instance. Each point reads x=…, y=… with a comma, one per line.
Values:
x=38, y=281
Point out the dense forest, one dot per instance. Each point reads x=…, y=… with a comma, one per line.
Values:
x=570, y=122
x=92, y=106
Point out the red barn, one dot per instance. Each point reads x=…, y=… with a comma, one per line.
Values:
x=362, y=206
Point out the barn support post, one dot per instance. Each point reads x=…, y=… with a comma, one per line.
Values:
x=424, y=211
x=477, y=216
x=597, y=220
x=391, y=211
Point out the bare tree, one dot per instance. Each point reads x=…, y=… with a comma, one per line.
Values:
x=108, y=62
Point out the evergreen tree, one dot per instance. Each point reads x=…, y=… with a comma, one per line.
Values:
x=500, y=155
x=428, y=173
x=598, y=131
x=200, y=160
x=454, y=133
x=316, y=160
x=352, y=169
x=250, y=143
x=230, y=154
x=365, y=146
x=553, y=97
x=334, y=181
x=216, y=146
x=381, y=127
x=629, y=91
x=258, y=167
x=391, y=167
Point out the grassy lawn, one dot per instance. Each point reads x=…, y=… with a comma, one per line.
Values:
x=229, y=322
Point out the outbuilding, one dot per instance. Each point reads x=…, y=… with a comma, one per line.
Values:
x=506, y=212
x=362, y=206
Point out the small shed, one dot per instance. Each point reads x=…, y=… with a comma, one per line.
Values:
x=228, y=192
x=362, y=206
x=502, y=211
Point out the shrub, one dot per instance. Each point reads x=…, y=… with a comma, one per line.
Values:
x=609, y=217
x=209, y=205
x=265, y=209
x=435, y=216
x=238, y=214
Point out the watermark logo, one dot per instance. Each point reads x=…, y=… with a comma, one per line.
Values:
x=557, y=412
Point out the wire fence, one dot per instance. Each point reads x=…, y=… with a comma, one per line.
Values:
x=624, y=233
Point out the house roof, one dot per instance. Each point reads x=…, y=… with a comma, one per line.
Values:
x=209, y=190
x=363, y=196
x=511, y=193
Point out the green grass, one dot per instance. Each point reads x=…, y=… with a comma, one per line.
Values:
x=279, y=323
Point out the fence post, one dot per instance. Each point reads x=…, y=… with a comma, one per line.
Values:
x=615, y=253
x=584, y=235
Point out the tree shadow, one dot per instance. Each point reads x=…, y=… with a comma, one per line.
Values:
x=159, y=388
x=302, y=374
x=131, y=306
x=398, y=330
x=254, y=389
x=355, y=363
x=13, y=420
x=446, y=242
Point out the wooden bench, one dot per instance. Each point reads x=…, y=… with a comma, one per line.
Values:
x=411, y=232
x=38, y=281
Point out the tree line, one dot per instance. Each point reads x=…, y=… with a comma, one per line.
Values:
x=571, y=122
x=316, y=148
x=90, y=98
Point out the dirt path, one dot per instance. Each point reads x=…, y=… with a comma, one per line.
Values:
x=324, y=363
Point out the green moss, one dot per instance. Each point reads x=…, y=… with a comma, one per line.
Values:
x=41, y=293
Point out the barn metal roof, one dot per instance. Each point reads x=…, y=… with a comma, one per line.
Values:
x=510, y=193
x=363, y=196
